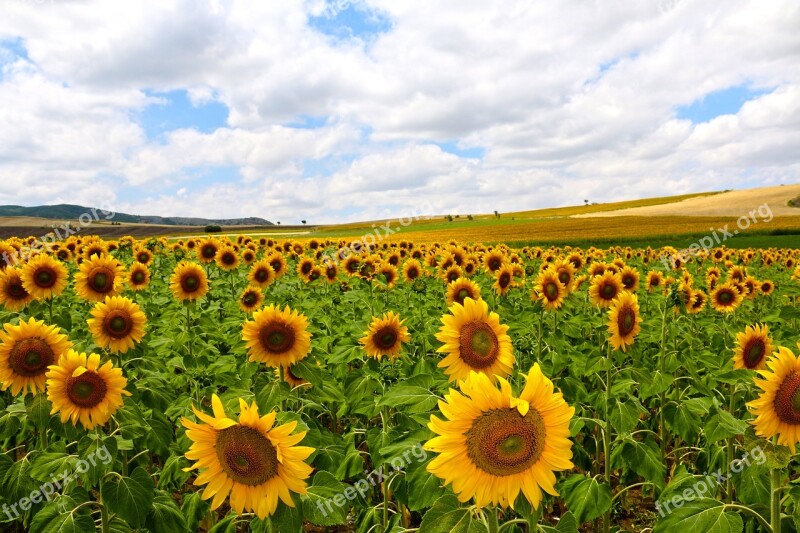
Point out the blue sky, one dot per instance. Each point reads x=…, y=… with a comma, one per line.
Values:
x=351, y=111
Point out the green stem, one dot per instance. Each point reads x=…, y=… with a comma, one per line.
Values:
x=541, y=337
x=607, y=439
x=105, y=522
x=775, y=499
x=730, y=443
x=662, y=395
x=491, y=520
x=189, y=329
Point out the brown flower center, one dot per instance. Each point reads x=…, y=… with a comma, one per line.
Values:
x=117, y=324
x=208, y=251
x=626, y=321
x=479, y=345
x=608, y=291
x=276, y=338
x=725, y=297
x=502, y=442
x=228, y=259
x=551, y=291
x=30, y=357
x=15, y=290
x=754, y=352
x=385, y=338
x=261, y=275
x=190, y=282
x=246, y=456
x=45, y=277
x=86, y=390
x=787, y=399
x=504, y=280
x=138, y=277
x=101, y=279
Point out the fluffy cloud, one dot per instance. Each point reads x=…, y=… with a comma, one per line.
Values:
x=568, y=101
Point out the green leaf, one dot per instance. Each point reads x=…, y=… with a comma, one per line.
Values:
x=17, y=484
x=130, y=497
x=586, y=498
x=194, y=508
x=57, y=464
x=38, y=410
x=103, y=450
x=752, y=484
x=226, y=525
x=706, y=515
x=447, y=515
x=625, y=415
x=424, y=488
x=325, y=503
x=722, y=425
x=414, y=399
x=644, y=458
x=57, y=516
x=165, y=516
x=682, y=421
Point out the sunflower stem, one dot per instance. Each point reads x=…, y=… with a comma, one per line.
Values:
x=541, y=337
x=730, y=445
x=661, y=396
x=491, y=520
x=189, y=330
x=607, y=436
x=775, y=499
x=50, y=309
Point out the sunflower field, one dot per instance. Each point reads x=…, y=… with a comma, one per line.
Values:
x=251, y=384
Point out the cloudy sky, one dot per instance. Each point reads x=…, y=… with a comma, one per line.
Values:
x=360, y=109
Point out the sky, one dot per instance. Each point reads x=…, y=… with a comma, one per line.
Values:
x=342, y=110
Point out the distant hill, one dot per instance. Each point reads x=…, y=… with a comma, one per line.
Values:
x=68, y=211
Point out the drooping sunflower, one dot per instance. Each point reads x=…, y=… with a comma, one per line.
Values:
x=251, y=460
x=624, y=320
x=13, y=295
x=138, y=277
x=753, y=347
x=251, y=299
x=227, y=259
x=261, y=274
x=98, y=277
x=697, y=302
x=726, y=298
x=290, y=377
x=26, y=350
x=83, y=391
x=475, y=340
x=461, y=289
x=503, y=280
x=493, y=445
x=549, y=290
x=188, y=281
x=277, y=338
x=44, y=277
x=777, y=408
x=117, y=324
x=605, y=288
x=385, y=336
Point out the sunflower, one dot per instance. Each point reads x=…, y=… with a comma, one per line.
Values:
x=252, y=460
x=460, y=289
x=385, y=336
x=304, y=268
x=13, y=295
x=697, y=302
x=766, y=287
x=82, y=390
x=188, y=281
x=503, y=280
x=251, y=299
x=138, y=276
x=549, y=290
x=26, y=350
x=207, y=250
x=331, y=272
x=261, y=274
x=474, y=339
x=726, y=298
x=278, y=264
x=143, y=256
x=630, y=279
x=492, y=445
x=117, y=324
x=753, y=347
x=566, y=274
x=777, y=409
x=624, y=320
x=98, y=277
x=493, y=260
x=44, y=277
x=654, y=280
x=277, y=338
x=605, y=288
x=290, y=377
x=227, y=259
x=352, y=266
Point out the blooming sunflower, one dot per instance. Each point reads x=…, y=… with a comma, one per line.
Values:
x=117, y=324
x=385, y=336
x=492, y=445
x=630, y=278
x=82, y=390
x=624, y=320
x=138, y=276
x=766, y=287
x=412, y=269
x=26, y=350
x=304, y=268
x=726, y=298
x=697, y=302
x=474, y=339
x=331, y=272
x=777, y=409
x=98, y=277
x=188, y=281
x=261, y=274
x=251, y=299
x=493, y=260
x=753, y=347
x=252, y=460
x=278, y=264
x=605, y=288
x=503, y=280
x=549, y=290
x=44, y=277
x=207, y=250
x=277, y=338
x=227, y=259
x=143, y=256
x=460, y=289
x=13, y=295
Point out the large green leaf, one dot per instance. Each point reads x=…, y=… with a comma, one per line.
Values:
x=586, y=497
x=447, y=515
x=706, y=515
x=130, y=497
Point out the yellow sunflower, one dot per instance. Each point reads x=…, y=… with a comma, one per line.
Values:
x=117, y=324
x=227, y=259
x=188, y=281
x=766, y=287
x=697, y=302
x=624, y=320
x=474, y=339
x=261, y=274
x=138, y=276
x=503, y=280
x=13, y=295
x=277, y=338
x=385, y=336
x=777, y=409
x=549, y=290
x=98, y=277
x=278, y=264
x=290, y=377
x=605, y=288
x=304, y=268
x=460, y=289
x=143, y=256
x=251, y=460
x=26, y=350
x=44, y=277
x=493, y=445
x=630, y=279
x=726, y=298
x=753, y=347
x=493, y=260
x=207, y=250
x=251, y=299
x=82, y=390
